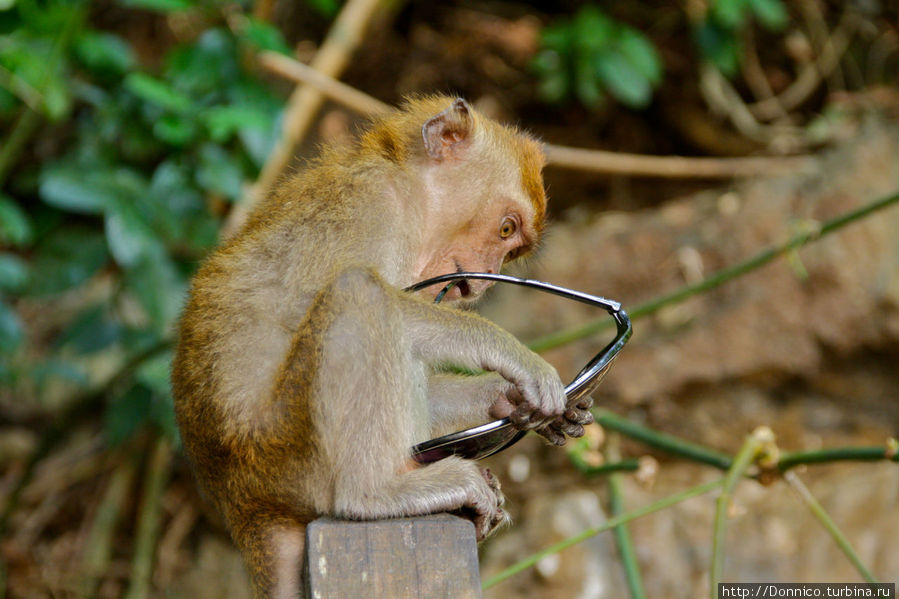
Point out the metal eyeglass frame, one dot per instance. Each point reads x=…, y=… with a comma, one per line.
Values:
x=485, y=440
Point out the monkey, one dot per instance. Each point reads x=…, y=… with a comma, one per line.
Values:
x=304, y=374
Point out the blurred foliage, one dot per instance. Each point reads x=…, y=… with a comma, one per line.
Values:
x=143, y=163
x=591, y=55
x=717, y=35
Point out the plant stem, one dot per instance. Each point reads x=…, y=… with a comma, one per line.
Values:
x=745, y=457
x=792, y=459
x=824, y=518
x=98, y=546
x=608, y=525
x=627, y=465
x=668, y=443
x=155, y=479
x=717, y=279
x=622, y=534
x=625, y=543
x=21, y=132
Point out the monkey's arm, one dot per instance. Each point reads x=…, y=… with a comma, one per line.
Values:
x=440, y=335
x=460, y=401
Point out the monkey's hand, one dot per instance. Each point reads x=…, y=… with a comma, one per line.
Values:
x=570, y=423
x=537, y=398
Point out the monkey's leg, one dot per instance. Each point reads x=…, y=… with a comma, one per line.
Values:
x=370, y=406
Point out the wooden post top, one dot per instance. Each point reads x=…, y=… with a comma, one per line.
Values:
x=433, y=557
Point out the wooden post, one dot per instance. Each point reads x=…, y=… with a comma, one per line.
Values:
x=409, y=558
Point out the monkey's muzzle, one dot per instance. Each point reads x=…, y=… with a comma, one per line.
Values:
x=488, y=439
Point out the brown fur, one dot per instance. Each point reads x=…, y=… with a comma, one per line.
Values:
x=303, y=374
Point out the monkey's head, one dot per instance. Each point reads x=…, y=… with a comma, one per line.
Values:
x=478, y=186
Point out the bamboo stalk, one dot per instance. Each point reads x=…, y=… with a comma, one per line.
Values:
x=829, y=525
x=661, y=504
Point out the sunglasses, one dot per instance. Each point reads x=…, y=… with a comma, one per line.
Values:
x=487, y=439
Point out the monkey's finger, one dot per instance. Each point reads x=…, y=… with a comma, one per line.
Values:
x=578, y=416
x=525, y=417
x=552, y=434
x=572, y=429
x=521, y=417
x=585, y=403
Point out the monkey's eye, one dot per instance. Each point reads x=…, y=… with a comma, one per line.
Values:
x=508, y=228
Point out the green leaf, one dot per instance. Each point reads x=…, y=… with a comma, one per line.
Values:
x=162, y=6
x=65, y=259
x=178, y=209
x=223, y=121
x=553, y=87
x=770, y=13
x=45, y=371
x=57, y=98
x=104, y=52
x=130, y=239
x=175, y=130
x=719, y=46
x=74, y=189
x=206, y=69
x=593, y=30
x=93, y=330
x=7, y=4
x=265, y=36
x=157, y=92
x=160, y=289
x=640, y=52
x=8, y=102
x=11, y=330
x=13, y=272
x=15, y=226
x=327, y=8
x=729, y=13
x=587, y=86
x=126, y=414
x=219, y=172
x=154, y=373
x=557, y=37
x=622, y=80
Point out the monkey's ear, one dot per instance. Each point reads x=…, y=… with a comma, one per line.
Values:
x=447, y=133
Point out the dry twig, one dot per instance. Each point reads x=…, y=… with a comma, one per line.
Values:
x=600, y=161
x=812, y=74
x=98, y=546
x=156, y=476
x=331, y=59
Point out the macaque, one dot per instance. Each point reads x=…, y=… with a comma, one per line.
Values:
x=304, y=373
